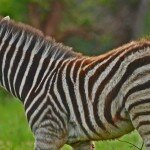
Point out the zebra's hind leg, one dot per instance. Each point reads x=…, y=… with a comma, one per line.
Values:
x=48, y=140
x=84, y=146
x=140, y=116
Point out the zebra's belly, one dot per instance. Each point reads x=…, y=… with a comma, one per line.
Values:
x=75, y=133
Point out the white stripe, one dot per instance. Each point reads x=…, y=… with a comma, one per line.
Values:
x=36, y=48
x=90, y=73
x=104, y=74
x=43, y=90
x=36, y=76
x=137, y=97
x=130, y=83
x=45, y=73
x=25, y=48
x=38, y=121
x=56, y=85
x=115, y=79
x=90, y=108
x=52, y=112
x=13, y=58
x=78, y=98
x=3, y=40
x=1, y=30
x=72, y=71
x=12, y=40
x=67, y=94
x=38, y=108
x=36, y=98
x=26, y=73
x=52, y=59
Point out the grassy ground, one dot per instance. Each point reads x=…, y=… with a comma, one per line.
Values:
x=16, y=135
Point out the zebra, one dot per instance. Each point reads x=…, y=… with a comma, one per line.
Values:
x=74, y=99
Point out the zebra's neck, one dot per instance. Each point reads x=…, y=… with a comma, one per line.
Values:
x=26, y=58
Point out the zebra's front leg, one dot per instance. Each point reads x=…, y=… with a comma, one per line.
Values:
x=84, y=146
x=48, y=140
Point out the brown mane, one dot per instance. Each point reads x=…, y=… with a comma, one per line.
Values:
x=17, y=27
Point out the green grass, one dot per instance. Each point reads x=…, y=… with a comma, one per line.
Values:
x=16, y=135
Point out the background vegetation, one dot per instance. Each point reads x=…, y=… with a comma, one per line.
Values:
x=90, y=27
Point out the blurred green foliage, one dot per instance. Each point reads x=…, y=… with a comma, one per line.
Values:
x=106, y=23
x=14, y=8
x=15, y=133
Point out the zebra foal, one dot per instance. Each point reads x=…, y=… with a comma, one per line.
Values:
x=75, y=99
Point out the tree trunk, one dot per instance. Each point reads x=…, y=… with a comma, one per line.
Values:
x=143, y=8
x=53, y=19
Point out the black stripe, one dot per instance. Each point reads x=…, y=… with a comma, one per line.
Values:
x=38, y=102
x=2, y=53
x=147, y=145
x=136, y=115
x=107, y=112
x=34, y=108
x=57, y=113
x=61, y=91
x=146, y=122
x=48, y=75
x=32, y=71
x=73, y=97
x=49, y=117
x=39, y=113
x=114, y=54
x=23, y=67
x=76, y=68
x=99, y=71
x=2, y=35
x=43, y=69
x=146, y=133
x=42, y=48
x=131, y=91
x=33, y=92
x=15, y=65
x=30, y=76
x=140, y=102
x=99, y=91
x=8, y=59
x=82, y=75
x=51, y=91
x=114, y=92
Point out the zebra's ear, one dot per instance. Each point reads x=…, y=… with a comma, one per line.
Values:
x=7, y=18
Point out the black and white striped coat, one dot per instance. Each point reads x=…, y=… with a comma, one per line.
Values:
x=75, y=99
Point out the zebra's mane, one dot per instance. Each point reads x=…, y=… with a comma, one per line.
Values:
x=50, y=46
